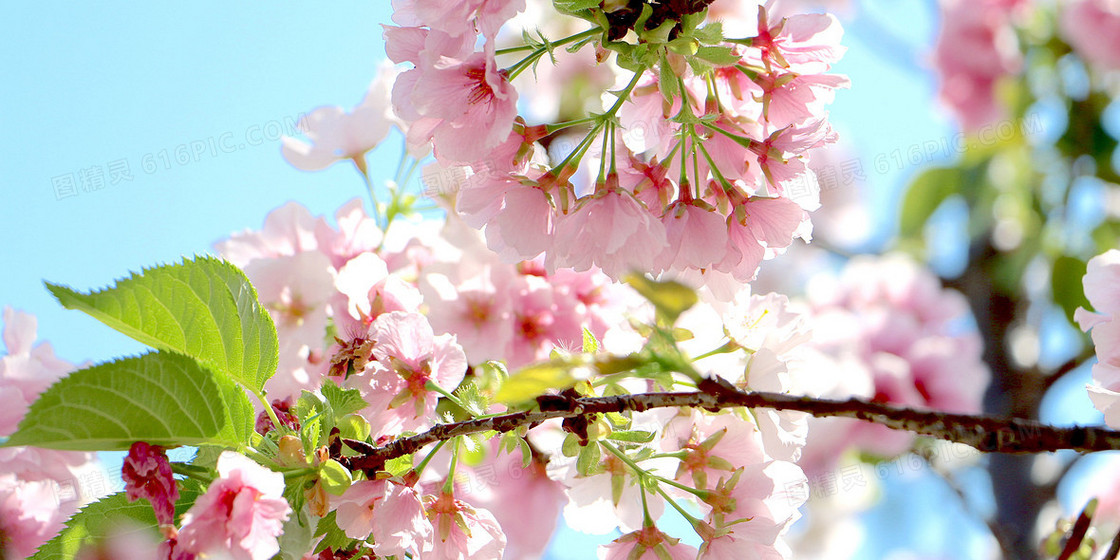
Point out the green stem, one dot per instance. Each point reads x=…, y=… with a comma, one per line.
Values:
x=276, y=425
x=377, y=217
x=449, y=484
x=428, y=458
x=520, y=66
x=431, y=386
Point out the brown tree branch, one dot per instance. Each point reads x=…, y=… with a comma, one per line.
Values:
x=985, y=433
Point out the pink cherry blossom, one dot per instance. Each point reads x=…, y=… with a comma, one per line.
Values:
x=1092, y=28
x=909, y=347
x=241, y=514
x=975, y=49
x=457, y=17
x=610, y=229
x=1101, y=281
x=29, y=515
x=410, y=355
x=696, y=236
x=147, y=474
x=647, y=543
x=337, y=135
x=388, y=511
x=455, y=98
x=507, y=489
x=462, y=532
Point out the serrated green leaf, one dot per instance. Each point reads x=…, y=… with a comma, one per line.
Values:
x=399, y=465
x=343, y=401
x=1066, y=285
x=589, y=459
x=99, y=520
x=162, y=398
x=669, y=298
x=667, y=81
x=572, y=6
x=532, y=381
x=205, y=308
x=333, y=537
x=720, y=56
x=925, y=194
x=295, y=540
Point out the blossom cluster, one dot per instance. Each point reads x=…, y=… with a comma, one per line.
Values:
x=33, y=502
x=701, y=162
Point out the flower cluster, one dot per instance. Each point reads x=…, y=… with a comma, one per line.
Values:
x=33, y=504
x=701, y=161
x=975, y=49
x=895, y=335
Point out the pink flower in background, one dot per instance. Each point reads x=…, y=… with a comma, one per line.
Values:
x=147, y=474
x=390, y=513
x=911, y=344
x=337, y=135
x=26, y=370
x=241, y=514
x=647, y=543
x=1102, y=287
x=287, y=230
x=508, y=489
x=29, y=516
x=975, y=49
x=1092, y=28
x=32, y=509
x=462, y=532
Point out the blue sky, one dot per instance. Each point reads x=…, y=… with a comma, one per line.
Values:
x=139, y=133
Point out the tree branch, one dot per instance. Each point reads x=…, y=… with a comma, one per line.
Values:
x=985, y=433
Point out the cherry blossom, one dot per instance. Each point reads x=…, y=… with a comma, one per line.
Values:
x=648, y=543
x=337, y=135
x=976, y=47
x=462, y=532
x=1101, y=281
x=388, y=511
x=241, y=514
x=1092, y=27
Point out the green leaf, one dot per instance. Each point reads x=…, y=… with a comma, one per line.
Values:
x=720, y=56
x=204, y=308
x=589, y=458
x=925, y=194
x=98, y=521
x=590, y=345
x=532, y=381
x=669, y=298
x=162, y=398
x=632, y=436
x=343, y=401
x=334, y=477
x=572, y=6
x=1066, y=285
x=333, y=537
